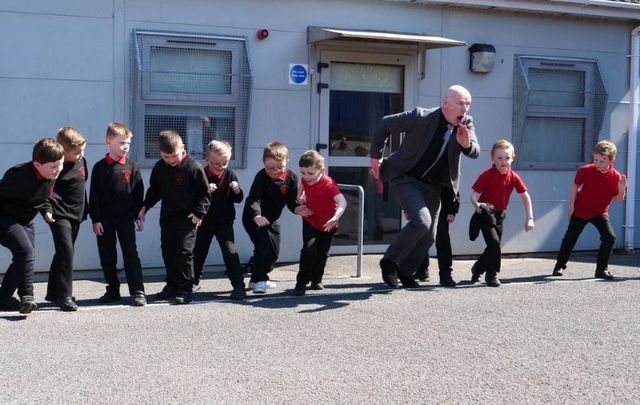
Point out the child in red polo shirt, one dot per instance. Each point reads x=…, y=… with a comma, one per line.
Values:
x=490, y=197
x=321, y=206
x=594, y=187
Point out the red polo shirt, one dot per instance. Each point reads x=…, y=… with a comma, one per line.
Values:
x=597, y=191
x=320, y=199
x=495, y=188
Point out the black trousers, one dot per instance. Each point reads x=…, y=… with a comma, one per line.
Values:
x=223, y=232
x=177, y=240
x=313, y=255
x=491, y=258
x=266, y=247
x=123, y=231
x=20, y=240
x=65, y=233
x=576, y=226
x=443, y=248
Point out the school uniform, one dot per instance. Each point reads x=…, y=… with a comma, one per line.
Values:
x=218, y=222
x=591, y=206
x=68, y=213
x=267, y=197
x=23, y=193
x=495, y=188
x=316, y=242
x=183, y=190
x=115, y=199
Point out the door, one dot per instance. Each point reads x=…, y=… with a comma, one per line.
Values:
x=362, y=88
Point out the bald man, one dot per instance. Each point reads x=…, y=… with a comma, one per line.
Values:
x=428, y=158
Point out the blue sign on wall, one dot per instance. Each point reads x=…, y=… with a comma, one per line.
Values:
x=298, y=74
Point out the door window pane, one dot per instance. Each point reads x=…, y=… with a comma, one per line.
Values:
x=381, y=212
x=361, y=94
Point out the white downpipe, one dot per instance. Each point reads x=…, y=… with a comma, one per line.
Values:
x=632, y=147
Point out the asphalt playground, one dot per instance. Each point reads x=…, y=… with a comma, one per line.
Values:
x=536, y=339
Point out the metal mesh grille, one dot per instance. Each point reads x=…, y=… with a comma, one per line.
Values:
x=196, y=84
x=558, y=108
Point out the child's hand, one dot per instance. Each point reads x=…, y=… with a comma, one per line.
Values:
x=55, y=197
x=303, y=211
x=331, y=224
x=194, y=219
x=98, y=229
x=139, y=225
x=528, y=226
x=490, y=207
x=451, y=218
x=49, y=217
x=260, y=221
x=212, y=187
x=235, y=187
x=622, y=184
x=141, y=214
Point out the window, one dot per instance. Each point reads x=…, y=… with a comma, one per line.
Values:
x=196, y=84
x=558, y=107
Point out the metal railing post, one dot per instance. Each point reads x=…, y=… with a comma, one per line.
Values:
x=360, y=243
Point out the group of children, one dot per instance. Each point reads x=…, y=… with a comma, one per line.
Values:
x=198, y=205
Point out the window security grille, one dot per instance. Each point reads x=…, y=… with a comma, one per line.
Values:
x=196, y=84
x=558, y=108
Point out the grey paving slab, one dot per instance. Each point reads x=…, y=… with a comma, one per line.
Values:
x=536, y=339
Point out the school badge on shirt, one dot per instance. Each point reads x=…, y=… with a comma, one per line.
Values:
x=126, y=176
x=179, y=178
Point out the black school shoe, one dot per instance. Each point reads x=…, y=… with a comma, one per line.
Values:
x=558, y=271
x=238, y=293
x=166, y=294
x=408, y=282
x=10, y=303
x=182, y=298
x=68, y=304
x=447, y=281
x=27, y=304
x=604, y=274
x=422, y=275
x=492, y=281
x=475, y=273
x=389, y=273
x=109, y=297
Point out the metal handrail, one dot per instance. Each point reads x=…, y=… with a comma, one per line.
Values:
x=360, y=243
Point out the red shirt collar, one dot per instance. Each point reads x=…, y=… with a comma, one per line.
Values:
x=109, y=160
x=39, y=177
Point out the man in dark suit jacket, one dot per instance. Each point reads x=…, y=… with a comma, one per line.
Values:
x=428, y=157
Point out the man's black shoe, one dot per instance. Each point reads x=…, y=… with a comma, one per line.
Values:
x=11, y=303
x=68, y=304
x=604, y=274
x=475, y=273
x=447, y=281
x=422, y=275
x=557, y=271
x=389, y=273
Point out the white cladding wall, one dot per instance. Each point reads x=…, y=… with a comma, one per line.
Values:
x=70, y=65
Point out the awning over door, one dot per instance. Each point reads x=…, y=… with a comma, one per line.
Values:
x=317, y=34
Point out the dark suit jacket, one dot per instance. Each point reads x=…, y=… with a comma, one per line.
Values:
x=419, y=126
